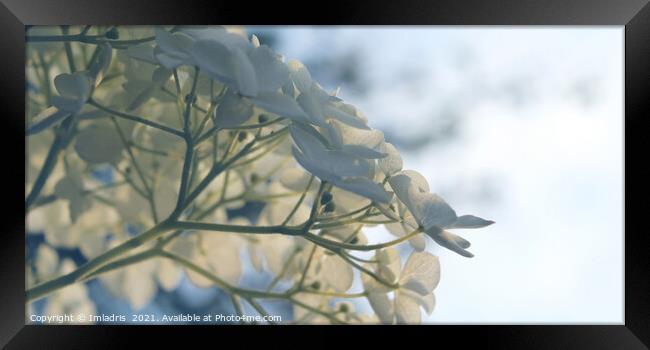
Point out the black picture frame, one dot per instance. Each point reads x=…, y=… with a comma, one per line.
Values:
x=633, y=14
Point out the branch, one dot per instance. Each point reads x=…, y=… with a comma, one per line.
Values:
x=135, y=118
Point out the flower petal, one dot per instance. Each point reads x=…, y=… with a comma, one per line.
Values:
x=98, y=144
x=392, y=163
x=470, y=221
x=270, y=72
x=73, y=86
x=450, y=241
x=431, y=210
x=407, y=309
x=382, y=306
x=421, y=273
x=365, y=187
x=280, y=104
x=214, y=58
x=232, y=111
x=337, y=273
x=244, y=74
x=300, y=75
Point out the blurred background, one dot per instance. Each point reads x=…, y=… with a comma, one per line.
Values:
x=520, y=125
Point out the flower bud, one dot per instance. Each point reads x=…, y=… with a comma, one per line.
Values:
x=113, y=34
x=329, y=207
x=189, y=98
x=263, y=118
x=344, y=307
x=326, y=198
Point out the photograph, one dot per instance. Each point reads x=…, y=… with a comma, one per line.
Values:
x=324, y=175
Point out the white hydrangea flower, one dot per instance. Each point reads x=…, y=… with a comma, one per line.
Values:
x=418, y=278
x=74, y=91
x=341, y=169
x=432, y=213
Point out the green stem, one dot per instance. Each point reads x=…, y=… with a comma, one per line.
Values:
x=93, y=265
x=204, y=226
x=340, y=245
x=302, y=198
x=136, y=119
x=62, y=134
x=189, y=148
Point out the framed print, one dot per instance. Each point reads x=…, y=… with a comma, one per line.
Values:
x=456, y=170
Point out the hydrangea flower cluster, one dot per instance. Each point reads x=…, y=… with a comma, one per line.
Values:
x=150, y=136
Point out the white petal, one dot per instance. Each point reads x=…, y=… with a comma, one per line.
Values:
x=143, y=52
x=389, y=264
x=312, y=107
x=363, y=152
x=300, y=75
x=421, y=273
x=98, y=144
x=337, y=273
x=244, y=74
x=404, y=185
x=233, y=111
x=418, y=242
x=165, y=198
x=73, y=86
x=370, y=138
x=139, y=289
x=255, y=258
x=169, y=275
x=428, y=303
x=173, y=43
x=296, y=179
x=382, y=306
x=343, y=164
x=312, y=166
x=223, y=256
x=167, y=60
x=365, y=187
x=78, y=206
x=214, y=58
x=392, y=163
x=280, y=104
x=432, y=210
x=277, y=249
x=407, y=309
x=255, y=40
x=69, y=187
x=47, y=262
x=271, y=73
x=91, y=244
x=335, y=112
x=470, y=221
x=309, y=144
x=160, y=76
x=450, y=241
